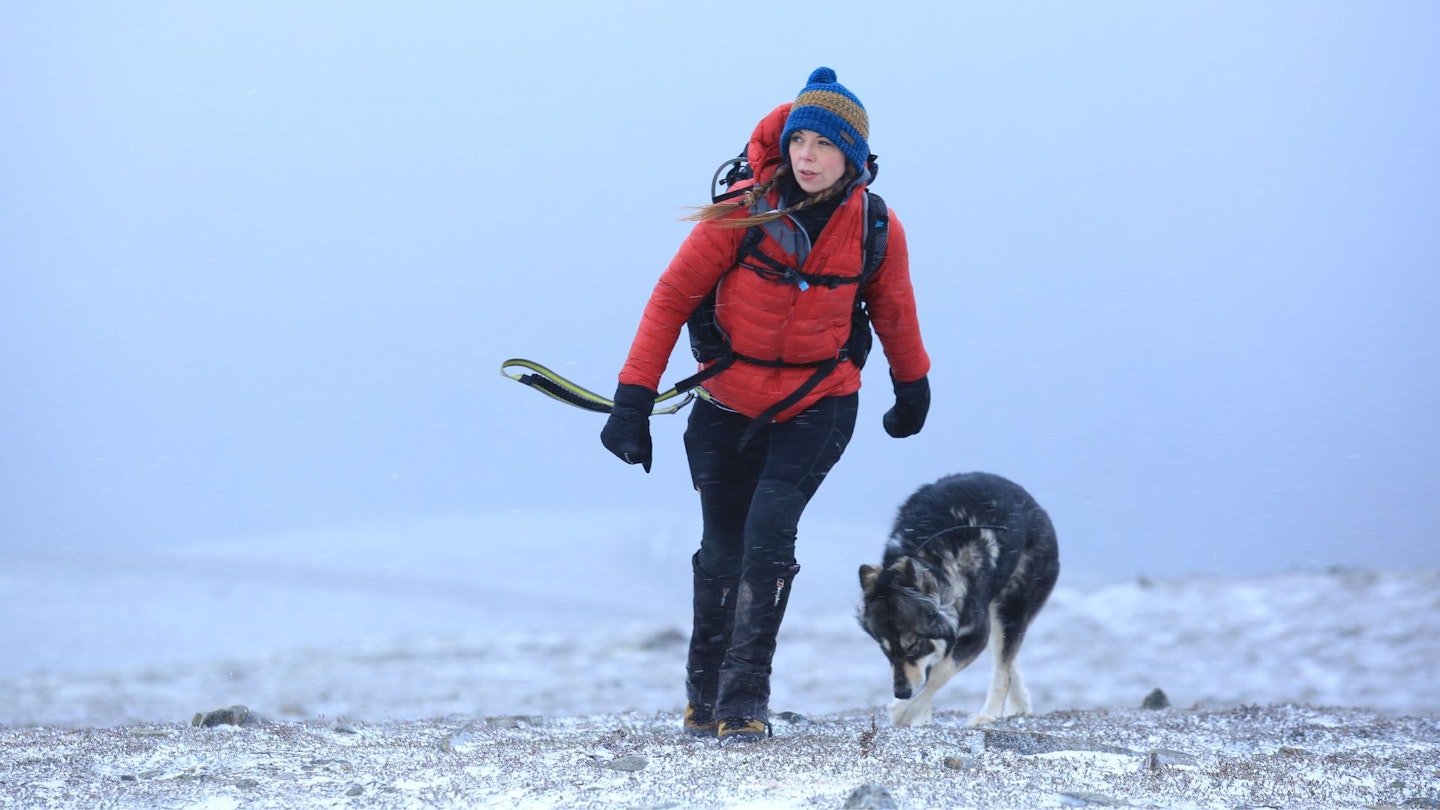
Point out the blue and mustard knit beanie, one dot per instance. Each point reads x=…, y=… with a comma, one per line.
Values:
x=826, y=107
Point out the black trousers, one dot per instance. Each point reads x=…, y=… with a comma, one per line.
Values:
x=751, y=499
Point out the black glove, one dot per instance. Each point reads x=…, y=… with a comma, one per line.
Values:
x=627, y=433
x=912, y=402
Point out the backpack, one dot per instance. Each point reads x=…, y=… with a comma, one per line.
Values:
x=708, y=341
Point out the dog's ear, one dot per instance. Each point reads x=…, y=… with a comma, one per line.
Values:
x=905, y=571
x=912, y=574
x=868, y=575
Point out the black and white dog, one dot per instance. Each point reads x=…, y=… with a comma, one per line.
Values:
x=970, y=561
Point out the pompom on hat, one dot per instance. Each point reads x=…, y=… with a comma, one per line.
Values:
x=826, y=107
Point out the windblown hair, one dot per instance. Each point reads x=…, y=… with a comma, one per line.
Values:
x=721, y=211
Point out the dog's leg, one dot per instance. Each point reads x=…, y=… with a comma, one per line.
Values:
x=1010, y=617
x=994, y=707
x=1019, y=695
x=1000, y=679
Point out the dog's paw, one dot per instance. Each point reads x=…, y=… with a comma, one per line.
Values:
x=910, y=713
x=903, y=721
x=982, y=719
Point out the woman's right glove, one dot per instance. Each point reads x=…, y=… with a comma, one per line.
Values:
x=627, y=432
x=912, y=403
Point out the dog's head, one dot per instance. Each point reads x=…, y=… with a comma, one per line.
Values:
x=903, y=609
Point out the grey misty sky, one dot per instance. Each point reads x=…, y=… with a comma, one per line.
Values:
x=1176, y=262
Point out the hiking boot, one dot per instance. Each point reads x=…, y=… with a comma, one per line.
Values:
x=738, y=729
x=699, y=722
x=745, y=675
x=714, y=613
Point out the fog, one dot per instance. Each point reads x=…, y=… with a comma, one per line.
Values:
x=259, y=263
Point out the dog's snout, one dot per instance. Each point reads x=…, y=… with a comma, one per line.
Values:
x=901, y=684
x=904, y=682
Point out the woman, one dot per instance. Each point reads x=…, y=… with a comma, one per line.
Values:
x=769, y=427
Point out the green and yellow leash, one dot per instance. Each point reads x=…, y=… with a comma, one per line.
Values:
x=557, y=387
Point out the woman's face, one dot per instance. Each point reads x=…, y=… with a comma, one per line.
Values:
x=818, y=163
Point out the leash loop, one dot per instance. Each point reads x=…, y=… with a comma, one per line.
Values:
x=556, y=387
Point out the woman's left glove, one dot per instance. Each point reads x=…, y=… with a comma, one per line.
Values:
x=912, y=403
x=627, y=433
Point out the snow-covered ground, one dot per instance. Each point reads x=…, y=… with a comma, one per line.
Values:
x=505, y=662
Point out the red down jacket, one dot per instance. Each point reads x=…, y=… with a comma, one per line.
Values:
x=777, y=320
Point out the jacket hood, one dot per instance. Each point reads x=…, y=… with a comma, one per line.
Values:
x=763, y=151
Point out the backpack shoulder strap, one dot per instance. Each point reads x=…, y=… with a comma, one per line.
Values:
x=877, y=231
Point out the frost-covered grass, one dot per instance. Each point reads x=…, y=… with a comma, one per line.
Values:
x=419, y=671
x=1272, y=756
